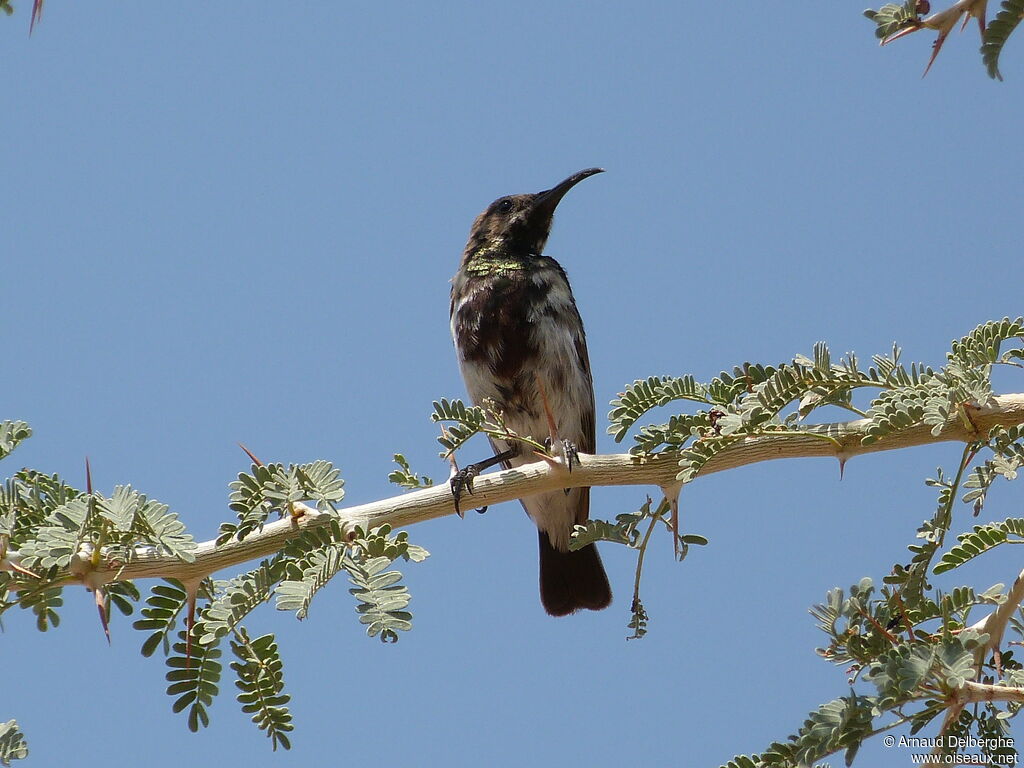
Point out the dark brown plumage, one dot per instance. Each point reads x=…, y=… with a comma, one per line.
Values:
x=517, y=333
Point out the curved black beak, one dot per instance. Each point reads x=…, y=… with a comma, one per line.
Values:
x=549, y=199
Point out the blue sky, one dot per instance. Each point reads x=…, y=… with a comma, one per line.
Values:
x=237, y=223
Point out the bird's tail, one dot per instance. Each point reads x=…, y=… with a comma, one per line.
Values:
x=570, y=581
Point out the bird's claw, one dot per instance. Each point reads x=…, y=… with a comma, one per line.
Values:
x=572, y=454
x=462, y=481
x=568, y=452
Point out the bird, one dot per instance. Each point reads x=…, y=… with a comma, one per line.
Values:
x=521, y=348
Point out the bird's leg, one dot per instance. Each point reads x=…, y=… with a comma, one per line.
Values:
x=565, y=449
x=462, y=480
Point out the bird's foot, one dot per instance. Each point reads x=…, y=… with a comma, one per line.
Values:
x=462, y=482
x=462, y=479
x=566, y=451
x=567, y=455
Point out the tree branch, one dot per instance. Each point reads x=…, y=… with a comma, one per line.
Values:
x=994, y=625
x=981, y=692
x=593, y=470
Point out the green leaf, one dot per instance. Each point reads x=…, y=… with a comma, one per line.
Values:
x=238, y=598
x=897, y=409
x=194, y=681
x=12, y=743
x=122, y=595
x=381, y=600
x=320, y=482
x=156, y=525
x=996, y=34
x=318, y=567
x=160, y=615
x=405, y=477
x=274, y=488
x=955, y=663
x=12, y=433
x=461, y=422
x=673, y=434
x=645, y=394
x=980, y=348
x=726, y=389
x=638, y=398
x=1007, y=445
x=841, y=724
x=981, y=539
x=891, y=18
x=622, y=531
x=637, y=620
x=693, y=458
x=119, y=509
x=261, y=686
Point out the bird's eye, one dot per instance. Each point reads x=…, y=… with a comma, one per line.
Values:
x=505, y=206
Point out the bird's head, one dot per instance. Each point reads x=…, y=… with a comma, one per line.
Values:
x=519, y=224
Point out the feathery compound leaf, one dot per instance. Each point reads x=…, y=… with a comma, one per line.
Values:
x=789, y=383
x=120, y=525
x=996, y=34
x=955, y=661
x=12, y=743
x=261, y=685
x=62, y=533
x=122, y=595
x=317, y=555
x=12, y=433
x=981, y=346
x=913, y=577
x=637, y=620
x=622, y=531
x=318, y=567
x=981, y=539
x=43, y=599
x=745, y=761
x=321, y=483
x=1008, y=447
x=160, y=615
x=891, y=18
x=248, y=501
x=638, y=398
x=194, y=681
x=274, y=488
x=645, y=394
x=381, y=601
x=921, y=395
x=841, y=724
x=462, y=423
x=673, y=434
x=405, y=477
x=693, y=458
x=726, y=389
x=238, y=599
x=32, y=497
x=380, y=543
x=889, y=372
x=959, y=601
x=119, y=509
x=156, y=525
x=310, y=540
x=53, y=545
x=683, y=388
x=897, y=409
